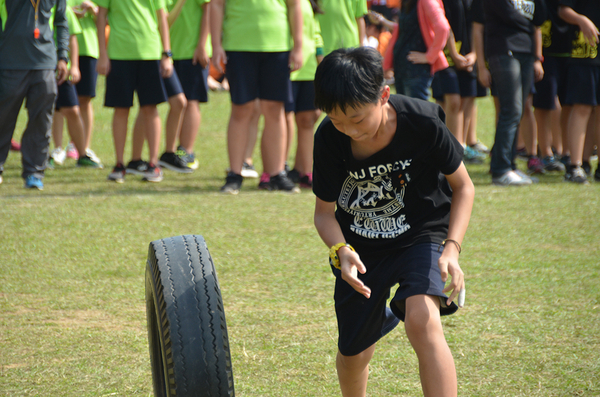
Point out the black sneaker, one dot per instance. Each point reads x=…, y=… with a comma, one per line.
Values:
x=173, y=162
x=283, y=183
x=294, y=176
x=117, y=174
x=596, y=174
x=552, y=164
x=577, y=175
x=233, y=183
x=137, y=167
x=153, y=174
x=587, y=168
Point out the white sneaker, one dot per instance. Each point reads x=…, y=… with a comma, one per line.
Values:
x=90, y=153
x=511, y=178
x=525, y=176
x=59, y=155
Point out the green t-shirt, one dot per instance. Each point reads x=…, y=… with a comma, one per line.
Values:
x=74, y=26
x=256, y=26
x=134, y=34
x=311, y=40
x=185, y=31
x=338, y=24
x=88, y=39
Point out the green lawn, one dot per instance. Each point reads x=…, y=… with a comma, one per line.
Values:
x=72, y=309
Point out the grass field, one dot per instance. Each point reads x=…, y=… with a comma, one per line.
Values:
x=72, y=309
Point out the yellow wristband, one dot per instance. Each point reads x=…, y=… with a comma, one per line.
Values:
x=333, y=254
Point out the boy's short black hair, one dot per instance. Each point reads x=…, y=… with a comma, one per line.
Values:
x=349, y=77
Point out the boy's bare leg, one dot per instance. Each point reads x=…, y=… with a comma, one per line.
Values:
x=590, y=136
x=304, y=150
x=453, y=119
x=543, y=120
x=290, y=132
x=152, y=123
x=528, y=128
x=353, y=372
x=75, y=127
x=578, y=122
x=177, y=105
x=139, y=137
x=57, y=129
x=120, y=118
x=469, y=109
x=237, y=134
x=425, y=333
x=253, y=135
x=273, y=139
x=190, y=125
x=565, y=115
x=87, y=116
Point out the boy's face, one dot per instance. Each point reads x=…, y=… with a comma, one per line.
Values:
x=362, y=123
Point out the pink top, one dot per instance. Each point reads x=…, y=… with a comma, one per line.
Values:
x=435, y=30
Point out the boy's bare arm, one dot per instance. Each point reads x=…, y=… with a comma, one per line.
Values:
x=362, y=30
x=74, y=49
x=331, y=234
x=166, y=63
x=200, y=55
x=586, y=26
x=295, y=21
x=217, y=11
x=175, y=11
x=103, y=65
x=463, y=193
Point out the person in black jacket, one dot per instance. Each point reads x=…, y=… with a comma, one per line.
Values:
x=28, y=63
x=514, y=58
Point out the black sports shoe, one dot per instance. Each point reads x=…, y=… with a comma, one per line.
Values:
x=173, y=162
x=283, y=183
x=587, y=168
x=233, y=183
x=596, y=174
x=137, y=167
x=294, y=176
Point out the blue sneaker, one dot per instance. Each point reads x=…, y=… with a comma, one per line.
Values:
x=33, y=182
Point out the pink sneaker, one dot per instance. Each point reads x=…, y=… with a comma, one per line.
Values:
x=72, y=151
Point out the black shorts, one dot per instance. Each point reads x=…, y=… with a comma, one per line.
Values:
x=303, y=97
x=67, y=96
x=193, y=79
x=583, y=85
x=89, y=77
x=127, y=77
x=172, y=84
x=469, y=86
x=362, y=321
x=553, y=84
x=263, y=75
x=444, y=82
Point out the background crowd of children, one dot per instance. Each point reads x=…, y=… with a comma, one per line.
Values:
x=541, y=64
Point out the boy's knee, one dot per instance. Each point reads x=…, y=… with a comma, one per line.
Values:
x=178, y=102
x=357, y=361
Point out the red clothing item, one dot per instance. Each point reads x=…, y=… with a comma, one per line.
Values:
x=435, y=30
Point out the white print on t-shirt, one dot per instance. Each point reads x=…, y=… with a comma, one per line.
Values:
x=374, y=202
x=524, y=7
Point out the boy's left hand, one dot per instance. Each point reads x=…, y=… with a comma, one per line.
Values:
x=417, y=57
x=448, y=264
x=75, y=75
x=166, y=67
x=62, y=72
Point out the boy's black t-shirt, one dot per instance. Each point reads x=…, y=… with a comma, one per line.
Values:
x=557, y=35
x=510, y=25
x=581, y=51
x=399, y=196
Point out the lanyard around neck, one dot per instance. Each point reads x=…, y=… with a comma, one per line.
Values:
x=36, y=7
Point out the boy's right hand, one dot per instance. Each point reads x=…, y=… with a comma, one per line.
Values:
x=103, y=66
x=352, y=265
x=219, y=58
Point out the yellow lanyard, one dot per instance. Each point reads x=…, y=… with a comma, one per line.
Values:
x=36, y=7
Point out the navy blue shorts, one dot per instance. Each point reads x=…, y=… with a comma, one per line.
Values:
x=362, y=321
x=127, y=77
x=303, y=97
x=67, y=96
x=553, y=84
x=193, y=79
x=172, y=84
x=583, y=85
x=444, y=82
x=263, y=75
x=89, y=77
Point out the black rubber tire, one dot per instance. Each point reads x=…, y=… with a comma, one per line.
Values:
x=187, y=332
